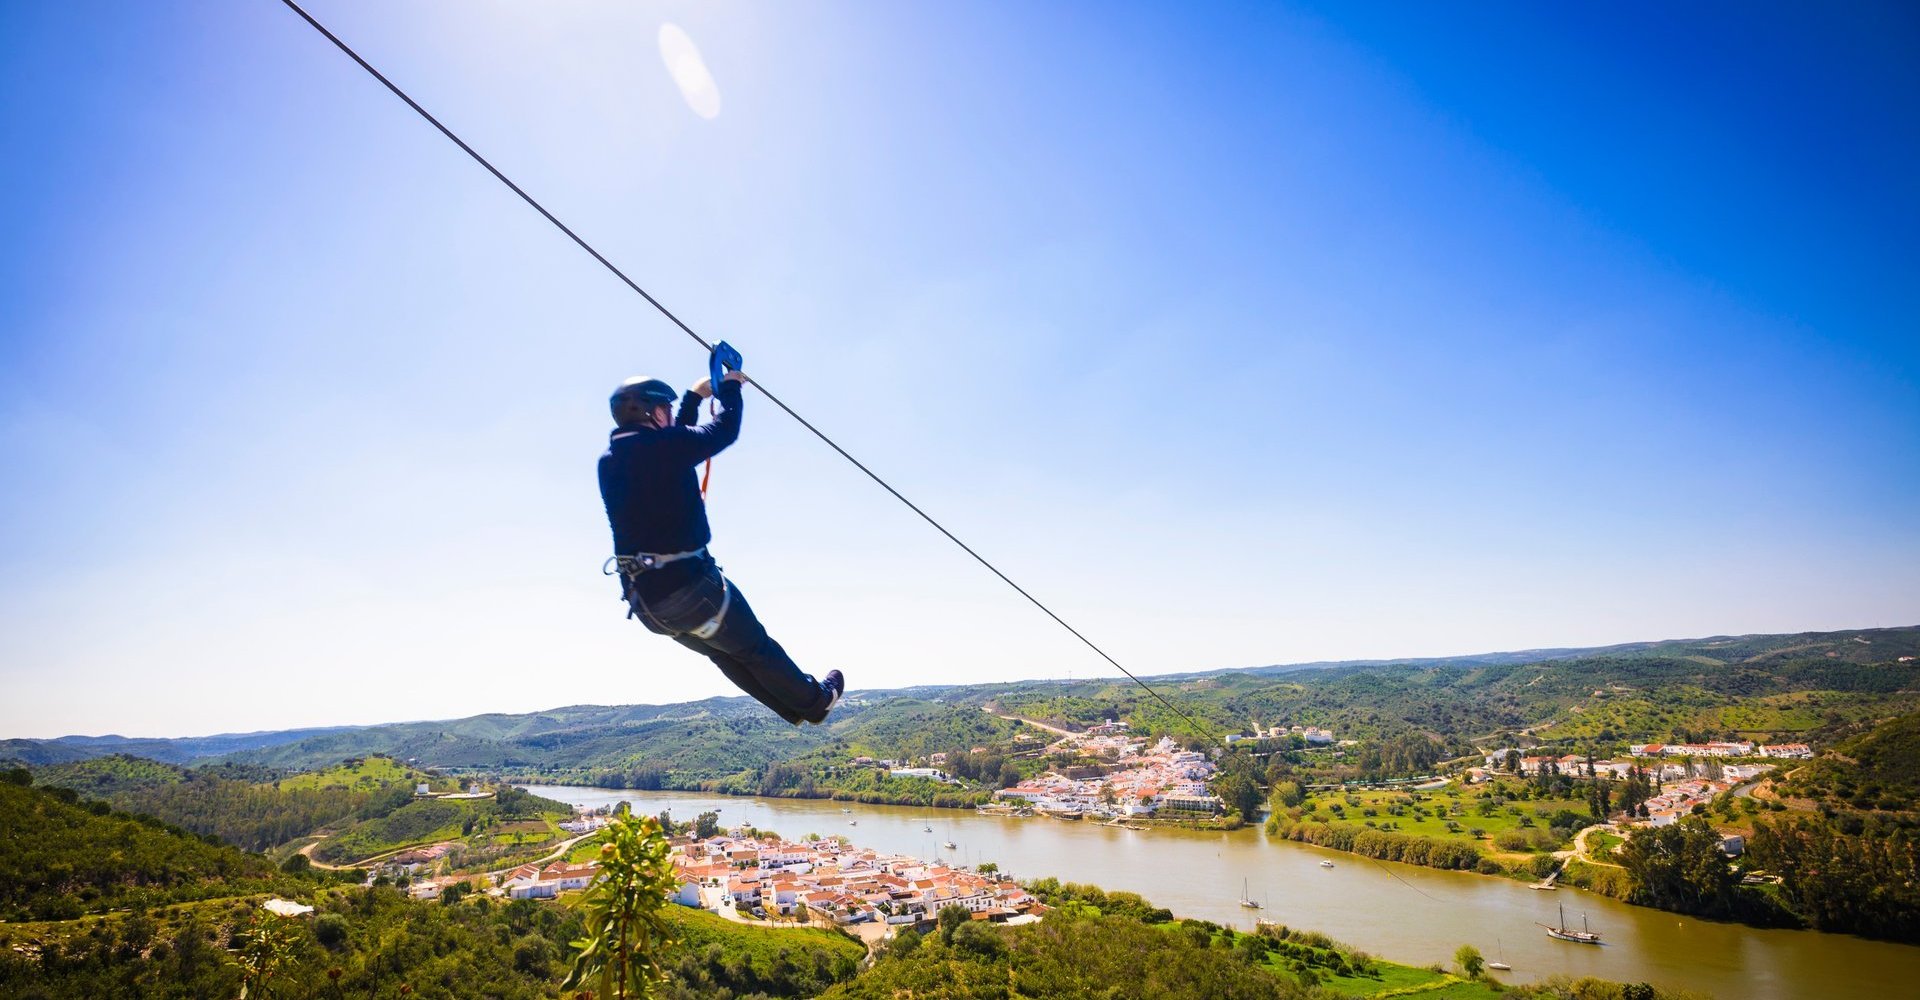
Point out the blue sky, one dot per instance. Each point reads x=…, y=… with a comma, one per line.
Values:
x=1240, y=336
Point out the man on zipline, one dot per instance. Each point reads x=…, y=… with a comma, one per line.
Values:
x=649, y=483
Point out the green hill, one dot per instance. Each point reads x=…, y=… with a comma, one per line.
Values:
x=1848, y=848
x=226, y=801
x=112, y=775
x=61, y=857
x=362, y=774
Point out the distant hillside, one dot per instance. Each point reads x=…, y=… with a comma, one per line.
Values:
x=61, y=856
x=182, y=750
x=1805, y=685
x=106, y=777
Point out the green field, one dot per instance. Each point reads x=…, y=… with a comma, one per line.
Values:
x=762, y=949
x=366, y=774
x=585, y=850
x=1492, y=809
x=1392, y=978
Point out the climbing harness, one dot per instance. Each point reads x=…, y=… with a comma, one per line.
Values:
x=1206, y=731
x=640, y=562
x=630, y=567
x=712, y=625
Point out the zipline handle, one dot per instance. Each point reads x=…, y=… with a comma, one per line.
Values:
x=722, y=359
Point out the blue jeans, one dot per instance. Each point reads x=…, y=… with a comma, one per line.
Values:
x=740, y=647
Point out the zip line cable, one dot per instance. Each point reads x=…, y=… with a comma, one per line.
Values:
x=1203, y=730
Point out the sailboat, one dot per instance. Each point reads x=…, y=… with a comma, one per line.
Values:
x=1501, y=965
x=1246, y=900
x=1565, y=933
x=929, y=826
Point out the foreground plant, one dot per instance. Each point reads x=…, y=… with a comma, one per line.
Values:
x=623, y=954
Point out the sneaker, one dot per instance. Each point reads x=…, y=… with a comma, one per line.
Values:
x=834, y=687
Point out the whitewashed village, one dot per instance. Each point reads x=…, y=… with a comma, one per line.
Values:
x=1133, y=780
x=1687, y=776
x=750, y=878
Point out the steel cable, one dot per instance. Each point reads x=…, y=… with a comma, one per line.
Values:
x=1202, y=730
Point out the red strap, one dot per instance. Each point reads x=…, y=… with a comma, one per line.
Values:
x=706, y=474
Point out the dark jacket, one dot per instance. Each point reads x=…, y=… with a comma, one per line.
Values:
x=650, y=483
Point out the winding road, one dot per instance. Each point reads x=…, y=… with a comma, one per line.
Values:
x=558, y=852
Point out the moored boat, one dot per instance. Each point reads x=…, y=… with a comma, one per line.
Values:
x=1501, y=963
x=1565, y=933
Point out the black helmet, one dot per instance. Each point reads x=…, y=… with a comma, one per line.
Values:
x=645, y=391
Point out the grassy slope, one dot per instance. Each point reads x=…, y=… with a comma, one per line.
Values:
x=761, y=947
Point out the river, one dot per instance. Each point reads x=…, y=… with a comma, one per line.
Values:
x=1418, y=918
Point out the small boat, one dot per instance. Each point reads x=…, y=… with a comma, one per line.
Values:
x=844, y=811
x=1565, y=933
x=948, y=844
x=1245, y=900
x=1326, y=864
x=929, y=828
x=1502, y=966
x=853, y=822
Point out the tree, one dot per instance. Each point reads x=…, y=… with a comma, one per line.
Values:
x=1680, y=867
x=1469, y=960
x=623, y=952
x=951, y=917
x=705, y=825
x=266, y=951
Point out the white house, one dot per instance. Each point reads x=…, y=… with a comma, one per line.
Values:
x=534, y=890
x=919, y=772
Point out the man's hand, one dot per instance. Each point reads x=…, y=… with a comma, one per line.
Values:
x=704, y=387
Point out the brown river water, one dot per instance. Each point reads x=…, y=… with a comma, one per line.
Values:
x=1418, y=918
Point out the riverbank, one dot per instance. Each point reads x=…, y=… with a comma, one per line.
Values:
x=923, y=793
x=1418, y=915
